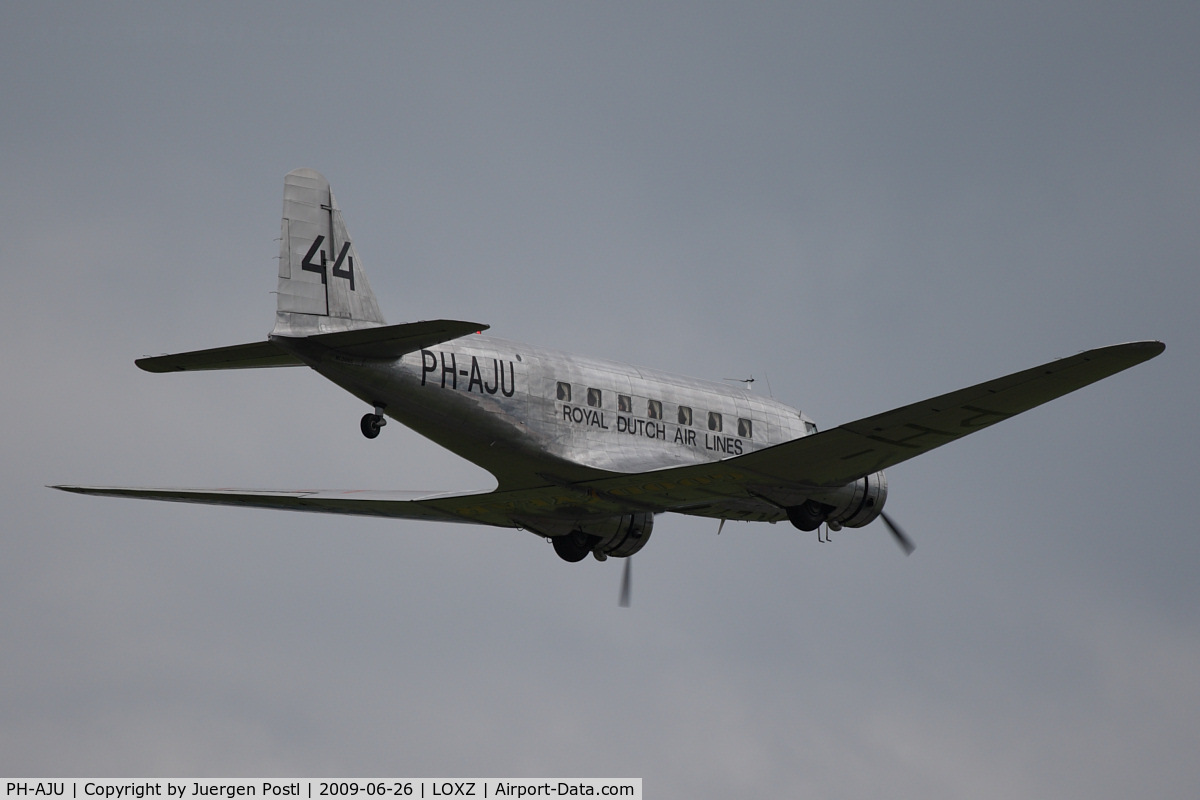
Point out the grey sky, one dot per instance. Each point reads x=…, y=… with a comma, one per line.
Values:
x=866, y=204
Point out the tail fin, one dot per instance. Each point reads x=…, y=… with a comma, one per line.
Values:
x=322, y=287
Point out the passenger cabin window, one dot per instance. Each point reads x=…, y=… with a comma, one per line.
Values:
x=685, y=415
x=594, y=398
x=654, y=409
x=564, y=392
x=714, y=421
x=745, y=429
x=625, y=403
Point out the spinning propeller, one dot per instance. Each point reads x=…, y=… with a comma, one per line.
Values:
x=626, y=588
x=893, y=528
x=905, y=543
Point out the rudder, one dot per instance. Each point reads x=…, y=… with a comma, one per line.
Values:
x=322, y=286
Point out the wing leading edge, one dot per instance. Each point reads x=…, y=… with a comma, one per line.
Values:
x=831, y=458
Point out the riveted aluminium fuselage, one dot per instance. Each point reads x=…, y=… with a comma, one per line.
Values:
x=524, y=412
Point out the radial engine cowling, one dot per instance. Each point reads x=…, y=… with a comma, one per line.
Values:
x=621, y=536
x=855, y=504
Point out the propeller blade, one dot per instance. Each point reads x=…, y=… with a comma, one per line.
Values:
x=625, y=583
x=905, y=543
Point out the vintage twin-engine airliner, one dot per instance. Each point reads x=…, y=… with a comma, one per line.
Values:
x=584, y=451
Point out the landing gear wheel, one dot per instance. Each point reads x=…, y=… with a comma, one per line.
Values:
x=808, y=517
x=574, y=546
x=370, y=425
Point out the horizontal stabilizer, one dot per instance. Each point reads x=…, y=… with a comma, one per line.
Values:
x=237, y=356
x=393, y=341
x=385, y=342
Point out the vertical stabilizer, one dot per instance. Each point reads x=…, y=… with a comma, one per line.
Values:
x=322, y=286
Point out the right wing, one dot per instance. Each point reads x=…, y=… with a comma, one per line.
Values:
x=843, y=454
x=737, y=488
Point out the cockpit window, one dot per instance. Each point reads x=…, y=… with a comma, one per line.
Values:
x=810, y=426
x=564, y=391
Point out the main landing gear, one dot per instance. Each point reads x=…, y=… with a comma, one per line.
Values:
x=574, y=546
x=371, y=423
x=808, y=517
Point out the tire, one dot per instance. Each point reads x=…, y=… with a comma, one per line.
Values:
x=573, y=547
x=809, y=516
x=369, y=425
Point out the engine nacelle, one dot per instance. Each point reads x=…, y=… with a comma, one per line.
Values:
x=621, y=536
x=855, y=504
x=613, y=536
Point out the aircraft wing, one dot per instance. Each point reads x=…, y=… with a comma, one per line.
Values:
x=734, y=488
x=502, y=509
x=844, y=454
x=839, y=455
x=438, y=507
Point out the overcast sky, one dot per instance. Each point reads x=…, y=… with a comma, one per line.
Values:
x=861, y=205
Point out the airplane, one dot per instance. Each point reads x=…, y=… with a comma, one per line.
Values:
x=585, y=452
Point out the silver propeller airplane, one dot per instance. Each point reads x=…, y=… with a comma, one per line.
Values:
x=585, y=452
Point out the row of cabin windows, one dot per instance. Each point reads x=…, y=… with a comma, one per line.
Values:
x=654, y=410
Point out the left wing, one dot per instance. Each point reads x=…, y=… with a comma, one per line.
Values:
x=436, y=507
x=735, y=488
